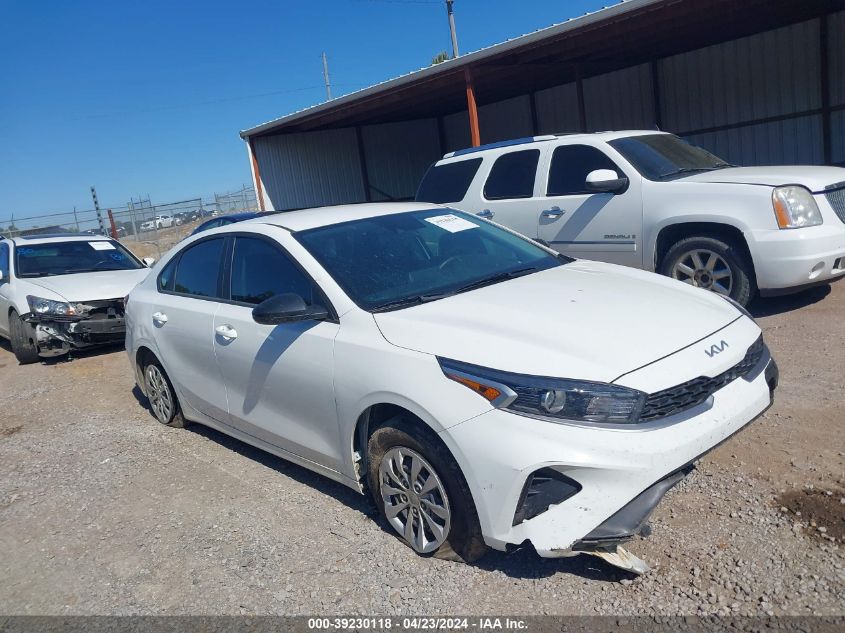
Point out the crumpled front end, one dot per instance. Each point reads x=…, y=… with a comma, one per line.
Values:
x=92, y=323
x=570, y=488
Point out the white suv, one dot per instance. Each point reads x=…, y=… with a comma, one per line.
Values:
x=472, y=380
x=650, y=200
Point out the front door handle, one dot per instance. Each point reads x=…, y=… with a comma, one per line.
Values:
x=486, y=213
x=554, y=212
x=226, y=331
x=159, y=318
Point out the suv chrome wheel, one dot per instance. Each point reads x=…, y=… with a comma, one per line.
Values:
x=704, y=269
x=158, y=393
x=415, y=501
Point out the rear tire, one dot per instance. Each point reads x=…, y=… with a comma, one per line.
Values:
x=712, y=262
x=441, y=502
x=162, y=397
x=22, y=338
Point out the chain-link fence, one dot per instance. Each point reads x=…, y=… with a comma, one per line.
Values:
x=148, y=228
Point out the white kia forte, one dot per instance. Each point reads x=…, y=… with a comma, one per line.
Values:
x=485, y=390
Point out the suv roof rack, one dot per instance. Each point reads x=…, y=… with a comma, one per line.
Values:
x=516, y=141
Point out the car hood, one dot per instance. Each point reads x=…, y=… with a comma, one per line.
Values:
x=113, y=284
x=584, y=320
x=814, y=178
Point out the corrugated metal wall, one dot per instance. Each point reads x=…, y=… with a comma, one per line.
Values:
x=557, y=109
x=715, y=96
x=620, y=100
x=836, y=52
x=397, y=154
x=309, y=169
x=767, y=75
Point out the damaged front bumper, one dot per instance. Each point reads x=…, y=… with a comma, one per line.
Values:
x=94, y=323
x=607, y=481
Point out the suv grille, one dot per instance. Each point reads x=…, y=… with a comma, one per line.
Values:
x=835, y=195
x=693, y=392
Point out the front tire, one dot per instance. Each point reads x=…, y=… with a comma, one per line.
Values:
x=162, y=397
x=714, y=263
x=420, y=491
x=22, y=338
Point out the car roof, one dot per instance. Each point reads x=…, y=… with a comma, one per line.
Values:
x=530, y=140
x=47, y=238
x=304, y=219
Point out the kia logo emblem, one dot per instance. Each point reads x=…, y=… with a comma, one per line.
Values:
x=716, y=348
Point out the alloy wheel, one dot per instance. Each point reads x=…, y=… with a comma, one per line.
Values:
x=704, y=269
x=415, y=501
x=159, y=395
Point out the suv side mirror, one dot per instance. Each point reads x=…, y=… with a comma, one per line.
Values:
x=605, y=181
x=2, y=278
x=148, y=261
x=287, y=308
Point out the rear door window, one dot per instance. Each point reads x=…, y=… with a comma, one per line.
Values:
x=198, y=269
x=448, y=182
x=512, y=175
x=570, y=166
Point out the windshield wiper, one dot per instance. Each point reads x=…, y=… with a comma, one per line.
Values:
x=494, y=279
x=410, y=301
x=690, y=170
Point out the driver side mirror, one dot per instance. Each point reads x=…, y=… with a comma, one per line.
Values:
x=605, y=181
x=148, y=261
x=287, y=308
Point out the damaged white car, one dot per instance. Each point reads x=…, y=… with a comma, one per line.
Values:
x=64, y=291
x=487, y=391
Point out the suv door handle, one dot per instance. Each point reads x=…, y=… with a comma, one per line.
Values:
x=160, y=318
x=554, y=212
x=486, y=213
x=226, y=331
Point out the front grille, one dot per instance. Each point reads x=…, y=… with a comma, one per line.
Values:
x=693, y=392
x=835, y=195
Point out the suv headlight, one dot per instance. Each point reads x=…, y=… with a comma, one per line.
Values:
x=40, y=305
x=553, y=399
x=795, y=207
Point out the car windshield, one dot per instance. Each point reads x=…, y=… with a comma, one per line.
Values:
x=393, y=261
x=662, y=156
x=67, y=258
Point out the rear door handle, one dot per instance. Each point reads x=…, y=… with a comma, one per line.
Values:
x=159, y=317
x=486, y=213
x=226, y=331
x=554, y=212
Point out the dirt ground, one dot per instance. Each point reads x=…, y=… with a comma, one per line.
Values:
x=105, y=511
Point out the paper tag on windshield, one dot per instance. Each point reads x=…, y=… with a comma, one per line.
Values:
x=102, y=246
x=451, y=223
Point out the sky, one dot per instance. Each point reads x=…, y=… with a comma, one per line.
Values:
x=148, y=97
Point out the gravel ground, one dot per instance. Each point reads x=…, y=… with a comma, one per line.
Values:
x=104, y=511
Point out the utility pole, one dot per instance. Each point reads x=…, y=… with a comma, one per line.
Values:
x=326, y=77
x=97, y=209
x=451, y=13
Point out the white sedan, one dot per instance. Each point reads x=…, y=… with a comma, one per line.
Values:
x=63, y=292
x=484, y=389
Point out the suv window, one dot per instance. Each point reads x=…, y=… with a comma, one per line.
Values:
x=512, y=175
x=570, y=166
x=198, y=269
x=448, y=182
x=260, y=271
x=4, y=262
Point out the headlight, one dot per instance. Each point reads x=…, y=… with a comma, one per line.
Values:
x=795, y=207
x=552, y=399
x=39, y=305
